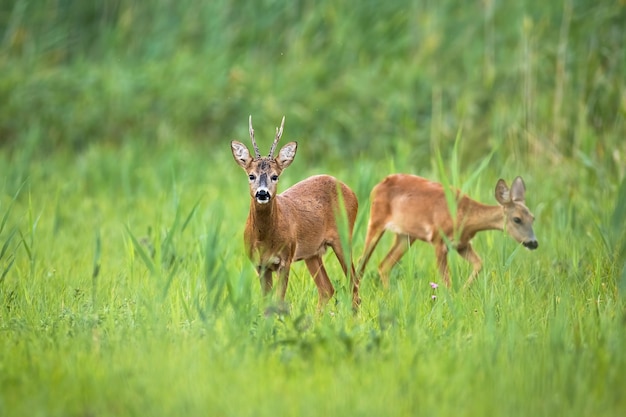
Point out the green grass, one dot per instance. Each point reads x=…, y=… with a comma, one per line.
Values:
x=124, y=288
x=171, y=322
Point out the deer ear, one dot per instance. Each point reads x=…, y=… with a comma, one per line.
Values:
x=286, y=155
x=241, y=154
x=502, y=192
x=518, y=190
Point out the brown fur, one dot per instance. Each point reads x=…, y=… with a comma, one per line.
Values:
x=415, y=208
x=298, y=224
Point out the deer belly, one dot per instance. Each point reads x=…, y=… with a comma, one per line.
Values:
x=415, y=230
x=309, y=251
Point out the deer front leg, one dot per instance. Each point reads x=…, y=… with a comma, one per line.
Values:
x=265, y=278
x=441, y=252
x=283, y=279
x=325, y=288
x=472, y=257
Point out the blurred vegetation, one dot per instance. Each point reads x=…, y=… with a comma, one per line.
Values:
x=124, y=288
x=533, y=78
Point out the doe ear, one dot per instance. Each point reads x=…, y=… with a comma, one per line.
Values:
x=502, y=192
x=518, y=190
x=241, y=153
x=286, y=155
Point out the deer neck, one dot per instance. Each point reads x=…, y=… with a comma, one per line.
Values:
x=263, y=218
x=483, y=217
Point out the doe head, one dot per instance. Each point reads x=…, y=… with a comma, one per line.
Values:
x=518, y=220
x=263, y=171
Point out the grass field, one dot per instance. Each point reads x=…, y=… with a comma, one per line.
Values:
x=124, y=288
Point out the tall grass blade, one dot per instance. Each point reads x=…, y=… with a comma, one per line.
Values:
x=618, y=220
x=449, y=192
x=6, y=244
x=167, y=251
x=7, y=268
x=618, y=234
x=345, y=238
x=5, y=217
x=479, y=170
x=190, y=215
x=214, y=276
x=454, y=158
x=170, y=278
x=143, y=254
x=96, y=269
x=27, y=248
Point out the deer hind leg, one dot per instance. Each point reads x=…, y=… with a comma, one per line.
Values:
x=441, y=252
x=374, y=233
x=468, y=253
x=354, y=278
x=399, y=248
x=325, y=288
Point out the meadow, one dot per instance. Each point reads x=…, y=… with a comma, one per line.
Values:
x=124, y=286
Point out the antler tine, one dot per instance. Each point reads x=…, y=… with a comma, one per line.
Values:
x=279, y=133
x=257, y=154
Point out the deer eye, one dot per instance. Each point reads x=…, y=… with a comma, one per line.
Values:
x=274, y=178
x=251, y=177
x=517, y=220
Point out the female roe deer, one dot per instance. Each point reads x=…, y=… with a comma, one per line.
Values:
x=413, y=208
x=298, y=224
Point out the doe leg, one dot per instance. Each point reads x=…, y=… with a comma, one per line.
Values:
x=397, y=251
x=472, y=257
x=441, y=252
x=374, y=233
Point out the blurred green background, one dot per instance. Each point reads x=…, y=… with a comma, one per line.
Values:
x=124, y=288
x=543, y=79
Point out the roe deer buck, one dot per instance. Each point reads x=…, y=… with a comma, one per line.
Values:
x=416, y=208
x=298, y=224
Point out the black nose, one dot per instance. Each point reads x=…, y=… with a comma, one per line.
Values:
x=531, y=244
x=262, y=195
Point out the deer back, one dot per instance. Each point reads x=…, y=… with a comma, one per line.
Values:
x=311, y=208
x=411, y=205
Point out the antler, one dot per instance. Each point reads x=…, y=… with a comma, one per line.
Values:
x=279, y=133
x=257, y=154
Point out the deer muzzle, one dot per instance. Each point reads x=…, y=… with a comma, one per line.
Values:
x=263, y=196
x=531, y=244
